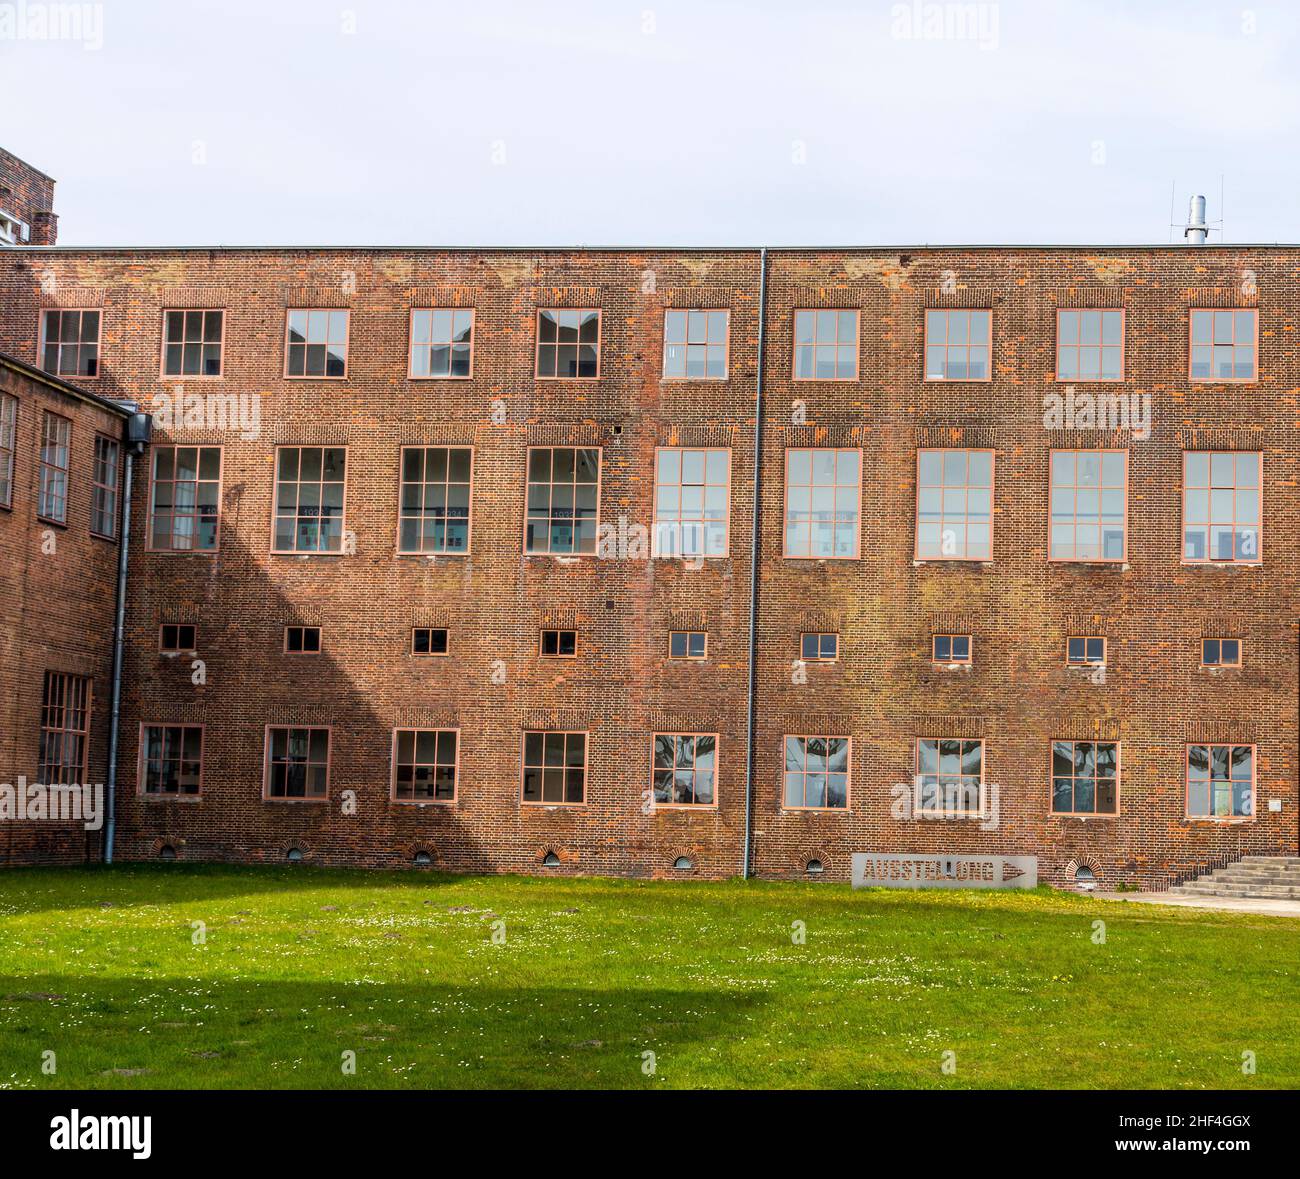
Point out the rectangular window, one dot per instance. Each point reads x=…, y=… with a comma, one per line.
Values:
x=816, y=775
x=316, y=343
x=171, y=759
x=424, y=765
x=65, y=730
x=560, y=644
x=175, y=637
x=309, y=487
x=568, y=344
x=949, y=777
x=685, y=768
x=555, y=768
x=954, y=505
x=688, y=644
x=8, y=443
x=56, y=438
x=70, y=343
x=435, y=499
x=297, y=762
x=563, y=500
x=823, y=495
x=1085, y=778
x=1220, y=652
x=825, y=345
x=692, y=502
x=442, y=343
x=103, y=502
x=429, y=640
x=192, y=343
x=819, y=647
x=951, y=649
x=302, y=640
x=1224, y=345
x=1085, y=651
x=184, y=503
x=1089, y=505
x=1089, y=345
x=1221, y=506
x=958, y=345
x=695, y=345
x=1220, y=781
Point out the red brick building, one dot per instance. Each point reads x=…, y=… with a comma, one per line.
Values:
x=447, y=556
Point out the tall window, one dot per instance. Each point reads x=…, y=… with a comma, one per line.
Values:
x=316, y=343
x=954, y=505
x=1221, y=506
x=435, y=499
x=958, y=345
x=568, y=344
x=563, y=500
x=70, y=343
x=309, y=499
x=297, y=762
x=685, y=766
x=171, y=759
x=949, y=777
x=823, y=494
x=442, y=342
x=56, y=436
x=1085, y=777
x=555, y=768
x=184, y=503
x=8, y=443
x=424, y=765
x=1089, y=345
x=695, y=345
x=825, y=345
x=692, y=500
x=192, y=343
x=1220, y=781
x=1089, y=505
x=817, y=772
x=65, y=729
x=103, y=501
x=1224, y=345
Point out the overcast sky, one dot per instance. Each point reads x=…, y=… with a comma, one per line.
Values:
x=674, y=122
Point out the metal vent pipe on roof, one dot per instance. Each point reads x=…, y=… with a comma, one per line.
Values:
x=1196, y=230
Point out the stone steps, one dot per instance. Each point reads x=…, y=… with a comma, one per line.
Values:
x=1265, y=877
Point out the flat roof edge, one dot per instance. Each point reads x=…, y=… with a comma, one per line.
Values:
x=831, y=249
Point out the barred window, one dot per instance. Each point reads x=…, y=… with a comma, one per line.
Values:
x=823, y=495
x=685, y=768
x=692, y=496
x=65, y=729
x=192, y=343
x=954, y=507
x=70, y=343
x=309, y=483
x=424, y=765
x=435, y=499
x=56, y=439
x=184, y=503
x=816, y=775
x=563, y=499
x=1085, y=777
x=297, y=762
x=442, y=342
x=171, y=759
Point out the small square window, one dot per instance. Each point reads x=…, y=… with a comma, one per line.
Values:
x=688, y=644
x=1086, y=651
x=176, y=637
x=819, y=646
x=952, y=649
x=1224, y=345
x=1221, y=652
x=559, y=644
x=429, y=640
x=958, y=345
x=302, y=640
x=825, y=345
x=316, y=343
x=70, y=343
x=192, y=343
x=442, y=342
x=695, y=345
x=568, y=344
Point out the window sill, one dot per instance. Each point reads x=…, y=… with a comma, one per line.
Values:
x=296, y=801
x=154, y=797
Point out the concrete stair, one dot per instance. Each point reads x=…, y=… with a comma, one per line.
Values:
x=1265, y=877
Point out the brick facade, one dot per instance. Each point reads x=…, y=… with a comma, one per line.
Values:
x=884, y=691
x=28, y=195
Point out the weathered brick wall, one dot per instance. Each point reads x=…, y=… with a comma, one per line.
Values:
x=884, y=691
x=57, y=593
x=28, y=194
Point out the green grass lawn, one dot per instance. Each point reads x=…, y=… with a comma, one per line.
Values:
x=299, y=965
